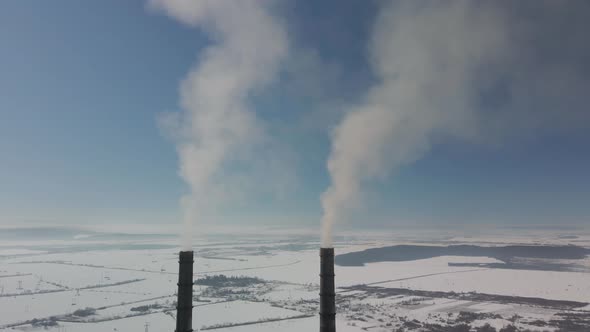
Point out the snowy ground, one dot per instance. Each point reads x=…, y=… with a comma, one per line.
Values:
x=129, y=284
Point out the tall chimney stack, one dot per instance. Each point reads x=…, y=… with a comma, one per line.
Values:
x=327, y=293
x=184, y=304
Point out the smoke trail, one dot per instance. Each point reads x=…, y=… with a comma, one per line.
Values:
x=248, y=46
x=419, y=70
x=435, y=62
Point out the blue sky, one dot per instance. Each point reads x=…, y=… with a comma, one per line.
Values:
x=82, y=86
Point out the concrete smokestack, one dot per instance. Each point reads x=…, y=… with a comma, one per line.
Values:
x=327, y=293
x=184, y=304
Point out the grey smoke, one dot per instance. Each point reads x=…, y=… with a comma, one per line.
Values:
x=479, y=71
x=217, y=124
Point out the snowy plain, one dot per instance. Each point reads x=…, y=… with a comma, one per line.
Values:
x=130, y=283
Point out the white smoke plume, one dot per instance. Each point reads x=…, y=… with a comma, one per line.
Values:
x=435, y=61
x=248, y=45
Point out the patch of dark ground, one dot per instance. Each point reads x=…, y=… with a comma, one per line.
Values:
x=463, y=323
x=221, y=280
x=572, y=322
x=427, y=327
x=384, y=292
x=536, y=265
x=511, y=255
x=565, y=320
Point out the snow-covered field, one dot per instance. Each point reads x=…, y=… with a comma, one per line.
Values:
x=129, y=283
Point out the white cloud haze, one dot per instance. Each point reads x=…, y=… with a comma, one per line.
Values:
x=482, y=72
x=471, y=70
x=217, y=123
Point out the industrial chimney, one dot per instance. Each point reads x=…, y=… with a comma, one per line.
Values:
x=184, y=304
x=327, y=294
